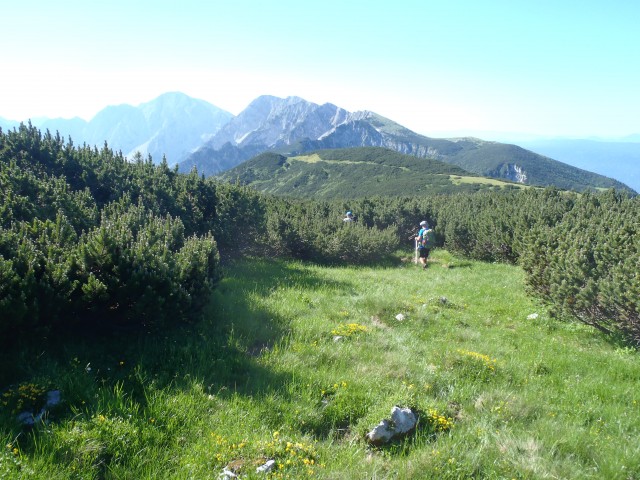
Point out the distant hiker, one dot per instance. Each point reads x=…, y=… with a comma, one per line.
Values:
x=424, y=242
x=348, y=217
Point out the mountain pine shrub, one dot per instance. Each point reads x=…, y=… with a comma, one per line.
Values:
x=587, y=265
x=87, y=236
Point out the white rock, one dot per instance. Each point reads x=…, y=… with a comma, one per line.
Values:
x=267, y=467
x=337, y=338
x=404, y=419
x=26, y=418
x=227, y=474
x=381, y=434
x=533, y=316
x=400, y=317
x=54, y=397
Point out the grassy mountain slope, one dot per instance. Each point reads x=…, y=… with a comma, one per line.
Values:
x=355, y=172
x=617, y=159
x=493, y=160
x=500, y=394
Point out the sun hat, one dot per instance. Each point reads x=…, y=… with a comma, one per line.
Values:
x=423, y=223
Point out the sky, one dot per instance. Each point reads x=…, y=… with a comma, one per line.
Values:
x=441, y=68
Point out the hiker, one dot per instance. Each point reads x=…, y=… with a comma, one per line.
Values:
x=348, y=217
x=424, y=241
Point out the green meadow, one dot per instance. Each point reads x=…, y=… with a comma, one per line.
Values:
x=459, y=179
x=295, y=363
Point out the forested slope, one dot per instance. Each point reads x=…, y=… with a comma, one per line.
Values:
x=355, y=173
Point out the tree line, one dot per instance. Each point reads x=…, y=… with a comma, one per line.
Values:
x=90, y=238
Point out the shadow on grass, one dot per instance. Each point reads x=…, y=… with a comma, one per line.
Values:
x=243, y=330
x=220, y=351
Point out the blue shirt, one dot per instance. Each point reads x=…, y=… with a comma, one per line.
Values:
x=422, y=230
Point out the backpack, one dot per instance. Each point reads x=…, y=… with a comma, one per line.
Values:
x=428, y=238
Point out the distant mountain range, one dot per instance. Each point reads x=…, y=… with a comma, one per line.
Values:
x=193, y=133
x=293, y=126
x=173, y=125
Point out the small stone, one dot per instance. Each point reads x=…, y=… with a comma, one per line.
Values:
x=227, y=474
x=533, y=316
x=382, y=433
x=404, y=419
x=26, y=418
x=400, y=317
x=54, y=397
x=337, y=338
x=267, y=467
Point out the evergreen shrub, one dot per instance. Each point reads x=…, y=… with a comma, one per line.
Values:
x=87, y=236
x=587, y=265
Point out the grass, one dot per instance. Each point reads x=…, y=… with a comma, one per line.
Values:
x=296, y=363
x=459, y=180
x=315, y=158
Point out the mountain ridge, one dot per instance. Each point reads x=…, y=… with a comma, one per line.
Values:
x=171, y=125
x=293, y=126
x=193, y=133
x=618, y=159
x=350, y=173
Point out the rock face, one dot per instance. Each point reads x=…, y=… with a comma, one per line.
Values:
x=402, y=422
x=273, y=122
x=516, y=173
x=295, y=125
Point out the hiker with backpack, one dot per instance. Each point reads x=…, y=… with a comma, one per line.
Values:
x=348, y=217
x=424, y=241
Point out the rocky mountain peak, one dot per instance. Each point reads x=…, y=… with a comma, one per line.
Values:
x=292, y=126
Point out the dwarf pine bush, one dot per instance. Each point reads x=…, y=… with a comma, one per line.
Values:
x=587, y=264
x=580, y=251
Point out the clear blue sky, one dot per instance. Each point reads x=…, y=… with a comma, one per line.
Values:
x=441, y=68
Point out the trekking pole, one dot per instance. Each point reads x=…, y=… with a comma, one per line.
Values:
x=415, y=260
